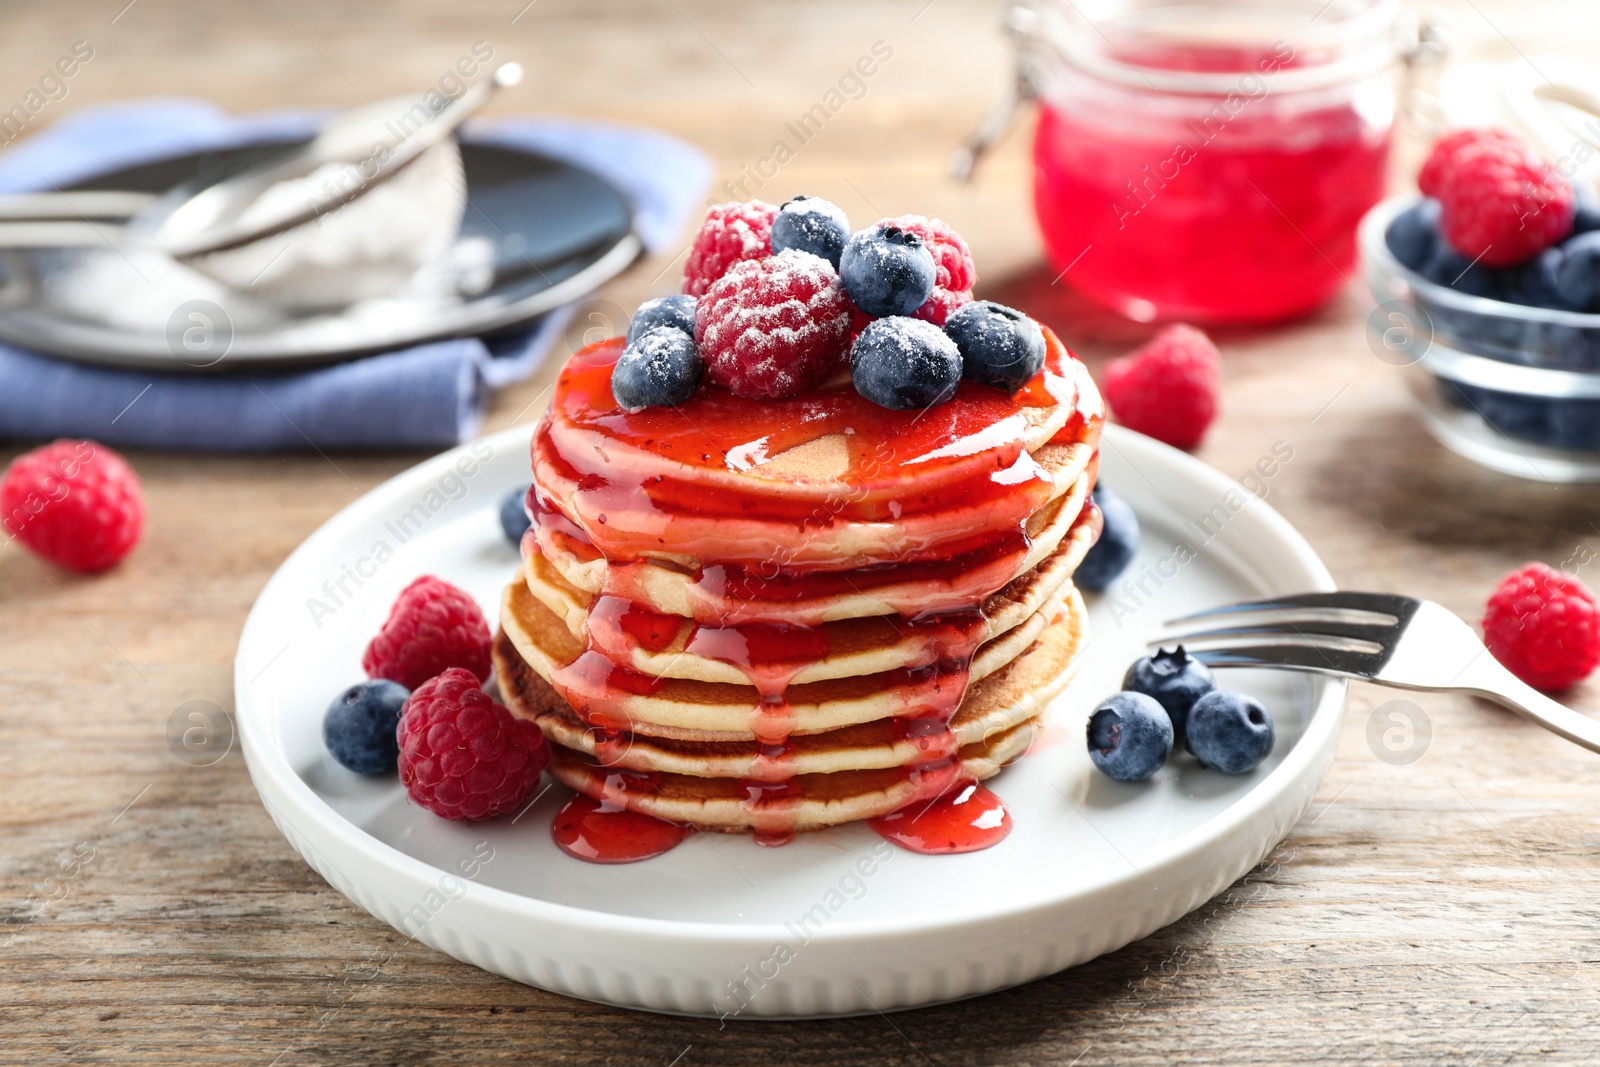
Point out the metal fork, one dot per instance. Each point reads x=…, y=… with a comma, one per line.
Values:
x=1376, y=637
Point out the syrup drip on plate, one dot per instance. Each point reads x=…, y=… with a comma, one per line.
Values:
x=965, y=819
x=597, y=832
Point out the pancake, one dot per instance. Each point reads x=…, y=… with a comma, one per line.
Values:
x=1015, y=693
x=686, y=708
x=818, y=800
x=774, y=615
x=856, y=646
x=795, y=451
x=828, y=537
x=910, y=591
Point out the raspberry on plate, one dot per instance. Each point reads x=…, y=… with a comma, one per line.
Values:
x=954, y=272
x=731, y=233
x=1544, y=626
x=1501, y=203
x=770, y=328
x=76, y=503
x=464, y=756
x=1168, y=387
x=433, y=626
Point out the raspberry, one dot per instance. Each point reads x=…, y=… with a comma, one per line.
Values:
x=464, y=756
x=772, y=327
x=954, y=273
x=1167, y=388
x=76, y=503
x=1544, y=626
x=432, y=626
x=1501, y=204
x=1448, y=152
x=731, y=232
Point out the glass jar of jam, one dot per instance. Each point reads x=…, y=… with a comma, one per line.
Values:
x=1209, y=160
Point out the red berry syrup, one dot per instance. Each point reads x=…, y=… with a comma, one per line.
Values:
x=1210, y=209
x=588, y=829
x=966, y=819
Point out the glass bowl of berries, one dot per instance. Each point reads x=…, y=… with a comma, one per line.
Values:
x=1488, y=292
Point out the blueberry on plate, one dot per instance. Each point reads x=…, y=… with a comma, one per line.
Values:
x=514, y=521
x=1578, y=277
x=659, y=369
x=1130, y=737
x=1413, y=235
x=1175, y=679
x=676, y=311
x=1000, y=346
x=901, y=363
x=359, y=726
x=811, y=224
x=1119, y=540
x=886, y=271
x=1229, y=732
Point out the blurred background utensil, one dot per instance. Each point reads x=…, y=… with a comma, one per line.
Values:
x=352, y=213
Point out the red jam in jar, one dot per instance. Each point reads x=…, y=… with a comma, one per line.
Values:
x=1210, y=161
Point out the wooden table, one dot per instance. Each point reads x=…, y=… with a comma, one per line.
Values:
x=1438, y=912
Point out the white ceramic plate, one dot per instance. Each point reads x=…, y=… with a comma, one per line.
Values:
x=838, y=922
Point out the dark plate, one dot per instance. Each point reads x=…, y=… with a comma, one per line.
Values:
x=558, y=232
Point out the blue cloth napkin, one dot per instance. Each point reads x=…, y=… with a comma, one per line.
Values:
x=426, y=396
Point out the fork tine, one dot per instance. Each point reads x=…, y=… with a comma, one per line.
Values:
x=1294, y=658
x=1399, y=607
x=1376, y=634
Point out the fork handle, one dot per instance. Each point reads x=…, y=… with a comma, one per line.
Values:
x=1493, y=681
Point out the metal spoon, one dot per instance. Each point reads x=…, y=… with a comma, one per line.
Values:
x=191, y=221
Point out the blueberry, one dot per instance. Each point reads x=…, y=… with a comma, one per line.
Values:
x=1515, y=415
x=1413, y=235
x=886, y=271
x=1578, y=277
x=901, y=364
x=1000, y=346
x=514, y=519
x=675, y=311
x=811, y=224
x=1229, y=732
x=1130, y=737
x=1119, y=540
x=1175, y=679
x=1575, y=424
x=359, y=726
x=1586, y=213
x=1448, y=267
x=660, y=369
x=1535, y=282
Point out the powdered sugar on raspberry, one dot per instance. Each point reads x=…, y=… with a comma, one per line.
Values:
x=954, y=272
x=770, y=328
x=731, y=233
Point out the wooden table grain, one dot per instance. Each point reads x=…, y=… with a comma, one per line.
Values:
x=1442, y=911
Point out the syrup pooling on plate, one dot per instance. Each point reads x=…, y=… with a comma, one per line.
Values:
x=592, y=830
x=931, y=507
x=964, y=819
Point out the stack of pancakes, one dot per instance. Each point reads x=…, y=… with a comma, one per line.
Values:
x=781, y=633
